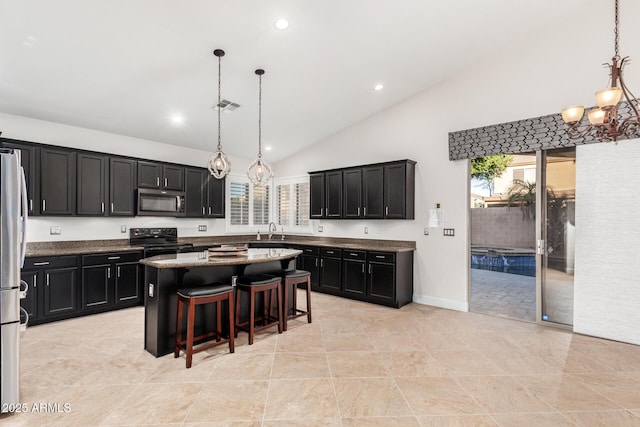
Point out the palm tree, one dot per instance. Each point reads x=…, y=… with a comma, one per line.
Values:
x=523, y=194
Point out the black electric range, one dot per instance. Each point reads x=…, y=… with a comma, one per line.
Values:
x=158, y=241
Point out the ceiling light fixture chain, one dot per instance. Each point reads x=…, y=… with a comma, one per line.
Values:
x=259, y=171
x=219, y=165
x=604, y=121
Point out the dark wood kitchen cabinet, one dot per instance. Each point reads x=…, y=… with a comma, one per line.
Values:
x=330, y=280
x=354, y=277
x=377, y=191
x=309, y=260
x=92, y=184
x=57, y=181
x=28, y=158
x=111, y=280
x=30, y=302
x=204, y=194
x=325, y=195
x=122, y=186
x=160, y=176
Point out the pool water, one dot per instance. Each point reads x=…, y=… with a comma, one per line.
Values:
x=524, y=265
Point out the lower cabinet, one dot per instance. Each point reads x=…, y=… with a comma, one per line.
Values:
x=61, y=287
x=309, y=260
x=354, y=276
x=330, y=280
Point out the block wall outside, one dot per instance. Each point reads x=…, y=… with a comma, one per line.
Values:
x=502, y=227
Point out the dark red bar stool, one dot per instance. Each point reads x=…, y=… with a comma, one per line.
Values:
x=270, y=287
x=191, y=297
x=291, y=279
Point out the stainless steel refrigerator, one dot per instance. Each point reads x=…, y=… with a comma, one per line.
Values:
x=13, y=219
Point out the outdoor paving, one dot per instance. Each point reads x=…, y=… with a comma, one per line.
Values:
x=514, y=295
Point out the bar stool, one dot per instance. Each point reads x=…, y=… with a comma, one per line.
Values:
x=252, y=285
x=293, y=278
x=191, y=297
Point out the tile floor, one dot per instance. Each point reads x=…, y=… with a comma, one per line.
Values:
x=356, y=365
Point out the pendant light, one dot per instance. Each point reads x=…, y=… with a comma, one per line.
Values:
x=259, y=171
x=219, y=165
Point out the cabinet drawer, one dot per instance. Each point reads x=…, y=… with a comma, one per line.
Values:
x=114, y=257
x=331, y=252
x=351, y=254
x=310, y=250
x=381, y=256
x=49, y=262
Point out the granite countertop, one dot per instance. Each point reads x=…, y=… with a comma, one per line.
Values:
x=79, y=247
x=203, y=259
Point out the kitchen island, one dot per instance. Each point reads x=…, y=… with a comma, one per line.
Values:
x=164, y=274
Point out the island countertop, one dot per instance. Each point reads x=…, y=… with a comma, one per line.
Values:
x=202, y=259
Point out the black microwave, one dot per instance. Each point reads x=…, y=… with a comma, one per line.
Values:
x=153, y=202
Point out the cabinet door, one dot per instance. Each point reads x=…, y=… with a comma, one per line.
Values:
x=195, y=186
x=122, y=181
x=128, y=283
x=381, y=281
x=149, y=174
x=30, y=302
x=316, y=195
x=333, y=197
x=57, y=182
x=372, y=185
x=60, y=287
x=93, y=172
x=330, y=274
x=216, y=191
x=28, y=161
x=96, y=284
x=395, y=191
x=354, y=278
x=352, y=192
x=310, y=263
x=173, y=177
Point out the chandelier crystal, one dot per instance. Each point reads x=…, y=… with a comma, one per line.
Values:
x=219, y=165
x=259, y=171
x=605, y=122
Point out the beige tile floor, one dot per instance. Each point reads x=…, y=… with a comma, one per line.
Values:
x=356, y=365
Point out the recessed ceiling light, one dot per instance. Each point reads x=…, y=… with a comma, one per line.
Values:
x=378, y=87
x=267, y=148
x=177, y=120
x=281, y=24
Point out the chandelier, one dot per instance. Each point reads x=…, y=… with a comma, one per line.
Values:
x=259, y=171
x=604, y=121
x=219, y=165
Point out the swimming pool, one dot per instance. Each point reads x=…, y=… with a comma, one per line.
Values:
x=504, y=260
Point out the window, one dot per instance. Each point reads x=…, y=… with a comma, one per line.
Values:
x=252, y=208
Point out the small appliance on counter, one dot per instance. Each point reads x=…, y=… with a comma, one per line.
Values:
x=13, y=221
x=158, y=241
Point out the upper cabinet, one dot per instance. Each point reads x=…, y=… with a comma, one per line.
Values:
x=28, y=158
x=92, y=184
x=160, y=176
x=122, y=186
x=57, y=181
x=204, y=194
x=377, y=191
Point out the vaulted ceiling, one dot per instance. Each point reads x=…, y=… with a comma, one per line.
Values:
x=131, y=66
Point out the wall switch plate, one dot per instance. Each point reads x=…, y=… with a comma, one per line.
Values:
x=202, y=228
x=426, y=231
x=123, y=228
x=320, y=228
x=366, y=230
x=449, y=231
x=55, y=229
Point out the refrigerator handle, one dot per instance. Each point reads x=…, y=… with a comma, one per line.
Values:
x=25, y=218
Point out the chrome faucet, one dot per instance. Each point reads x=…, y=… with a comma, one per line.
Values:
x=272, y=229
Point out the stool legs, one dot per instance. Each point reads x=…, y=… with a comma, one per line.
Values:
x=296, y=312
x=190, y=327
x=269, y=301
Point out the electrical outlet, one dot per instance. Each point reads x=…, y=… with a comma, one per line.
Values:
x=202, y=228
x=448, y=231
x=151, y=289
x=55, y=229
x=123, y=228
x=366, y=230
x=320, y=228
x=426, y=231
x=234, y=280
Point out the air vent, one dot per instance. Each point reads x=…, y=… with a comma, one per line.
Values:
x=226, y=106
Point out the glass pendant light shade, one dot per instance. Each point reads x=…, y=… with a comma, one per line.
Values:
x=219, y=165
x=573, y=114
x=608, y=97
x=259, y=172
x=597, y=116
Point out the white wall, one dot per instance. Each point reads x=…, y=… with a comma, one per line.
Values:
x=607, y=275
x=78, y=228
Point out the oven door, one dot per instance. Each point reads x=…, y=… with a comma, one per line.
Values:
x=161, y=203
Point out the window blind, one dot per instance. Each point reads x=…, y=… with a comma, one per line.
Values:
x=284, y=204
x=261, y=205
x=302, y=203
x=239, y=203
